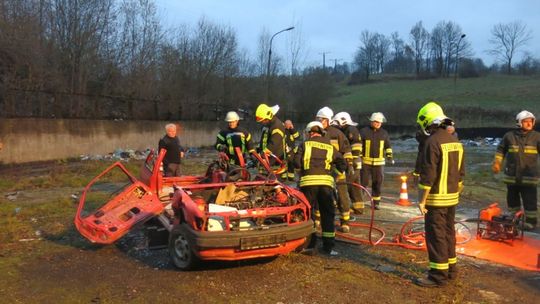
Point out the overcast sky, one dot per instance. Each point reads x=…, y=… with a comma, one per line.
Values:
x=335, y=26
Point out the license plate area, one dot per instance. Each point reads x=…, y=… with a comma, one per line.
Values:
x=263, y=241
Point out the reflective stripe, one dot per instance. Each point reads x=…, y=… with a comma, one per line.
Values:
x=373, y=161
x=421, y=186
x=309, y=145
x=531, y=151
x=381, y=148
x=345, y=216
x=452, y=260
x=499, y=156
x=221, y=137
x=439, y=266
x=356, y=147
x=335, y=143
x=530, y=214
x=347, y=155
x=376, y=198
x=316, y=180
x=442, y=200
x=328, y=234
x=278, y=131
x=368, y=148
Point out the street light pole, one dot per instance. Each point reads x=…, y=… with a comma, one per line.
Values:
x=457, y=59
x=269, y=58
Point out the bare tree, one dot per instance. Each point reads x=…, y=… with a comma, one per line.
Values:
x=507, y=39
x=296, y=49
x=419, y=43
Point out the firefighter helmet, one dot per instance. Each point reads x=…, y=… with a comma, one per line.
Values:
x=524, y=115
x=343, y=119
x=232, y=116
x=378, y=116
x=430, y=114
x=325, y=113
x=315, y=126
x=264, y=112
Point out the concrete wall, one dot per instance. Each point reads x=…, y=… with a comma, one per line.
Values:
x=28, y=140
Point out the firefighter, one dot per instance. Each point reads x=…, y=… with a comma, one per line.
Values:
x=520, y=148
x=315, y=158
x=344, y=122
x=375, y=147
x=234, y=137
x=272, y=136
x=441, y=181
x=340, y=142
x=291, y=135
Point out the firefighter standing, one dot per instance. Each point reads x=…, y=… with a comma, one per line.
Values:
x=272, y=137
x=345, y=123
x=315, y=158
x=441, y=175
x=375, y=146
x=233, y=137
x=520, y=148
x=291, y=135
x=340, y=142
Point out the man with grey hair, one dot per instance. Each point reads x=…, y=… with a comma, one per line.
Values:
x=175, y=152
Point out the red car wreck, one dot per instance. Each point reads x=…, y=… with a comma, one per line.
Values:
x=206, y=217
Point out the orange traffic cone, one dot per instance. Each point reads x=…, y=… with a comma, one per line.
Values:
x=403, y=196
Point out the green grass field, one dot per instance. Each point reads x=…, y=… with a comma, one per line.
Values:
x=475, y=102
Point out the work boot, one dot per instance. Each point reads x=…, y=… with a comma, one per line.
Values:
x=427, y=282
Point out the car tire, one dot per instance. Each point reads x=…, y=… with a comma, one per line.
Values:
x=181, y=250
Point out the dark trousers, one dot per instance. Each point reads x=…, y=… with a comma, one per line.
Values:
x=441, y=243
x=172, y=169
x=354, y=192
x=528, y=195
x=376, y=174
x=323, y=197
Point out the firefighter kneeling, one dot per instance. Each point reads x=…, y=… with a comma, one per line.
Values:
x=315, y=158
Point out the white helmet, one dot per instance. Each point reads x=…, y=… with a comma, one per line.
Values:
x=311, y=127
x=524, y=115
x=377, y=116
x=232, y=116
x=325, y=112
x=343, y=118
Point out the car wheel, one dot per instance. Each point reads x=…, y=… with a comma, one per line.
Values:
x=181, y=250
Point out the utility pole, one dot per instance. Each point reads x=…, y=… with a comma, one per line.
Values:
x=335, y=63
x=324, y=59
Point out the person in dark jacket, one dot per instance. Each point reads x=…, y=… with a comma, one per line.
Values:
x=175, y=152
x=272, y=137
x=340, y=142
x=375, y=148
x=291, y=136
x=315, y=159
x=344, y=122
x=520, y=148
x=234, y=138
x=441, y=181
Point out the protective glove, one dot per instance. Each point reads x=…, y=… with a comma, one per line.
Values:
x=460, y=187
x=496, y=166
x=391, y=160
x=422, y=198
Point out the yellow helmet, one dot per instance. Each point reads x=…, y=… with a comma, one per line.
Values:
x=265, y=112
x=430, y=114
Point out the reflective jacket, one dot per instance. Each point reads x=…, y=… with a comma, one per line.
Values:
x=339, y=141
x=520, y=150
x=291, y=135
x=228, y=139
x=273, y=138
x=375, y=146
x=442, y=169
x=353, y=136
x=315, y=158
